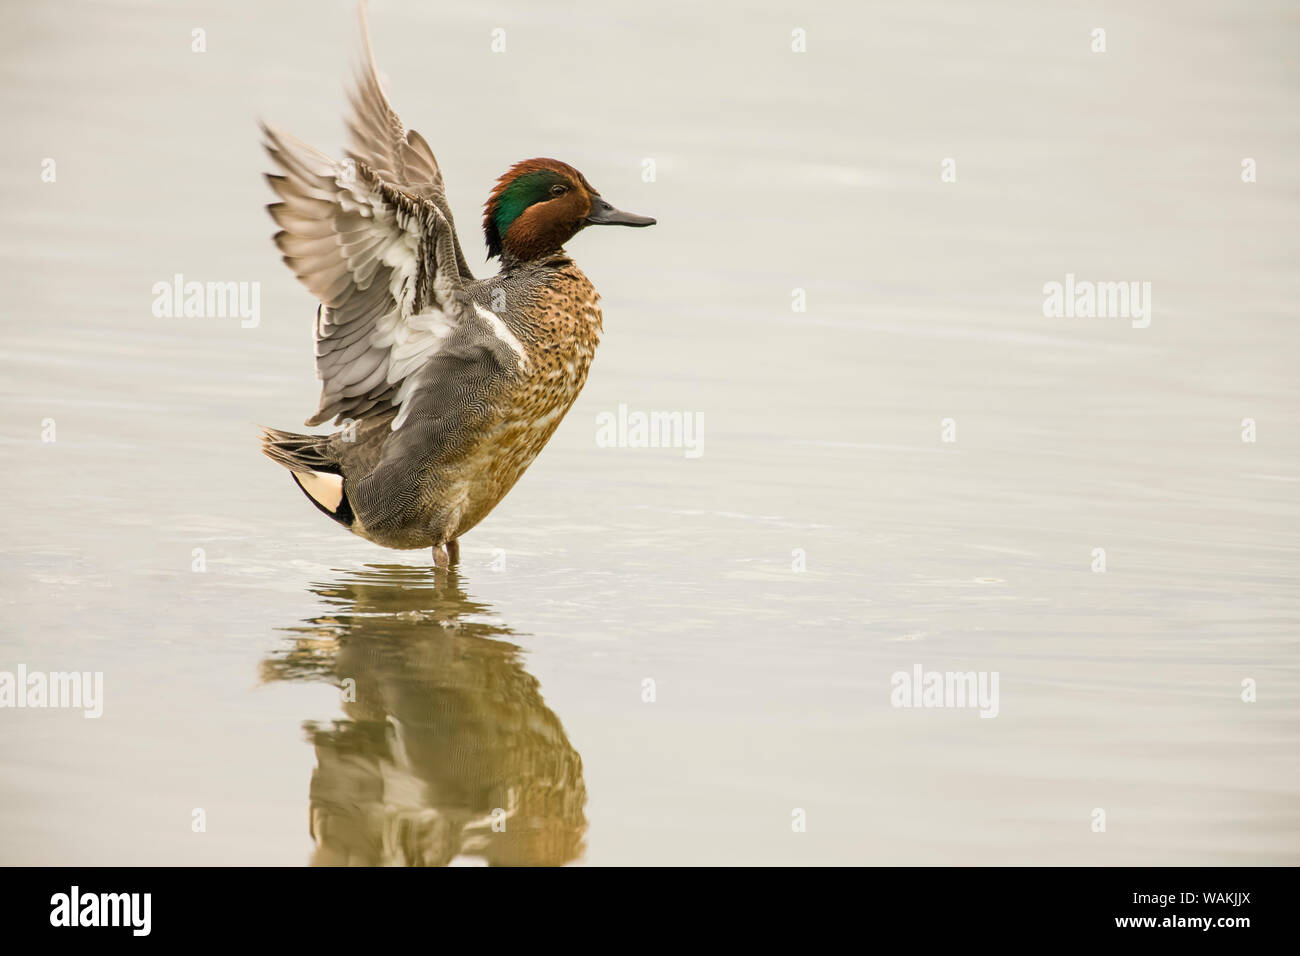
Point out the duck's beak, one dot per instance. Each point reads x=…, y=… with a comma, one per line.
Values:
x=603, y=214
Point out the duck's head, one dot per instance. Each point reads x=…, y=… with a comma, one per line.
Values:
x=540, y=204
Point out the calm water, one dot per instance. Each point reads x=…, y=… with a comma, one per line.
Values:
x=518, y=684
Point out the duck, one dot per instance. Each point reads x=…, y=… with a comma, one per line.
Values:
x=443, y=388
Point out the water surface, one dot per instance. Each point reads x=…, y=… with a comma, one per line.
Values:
x=826, y=538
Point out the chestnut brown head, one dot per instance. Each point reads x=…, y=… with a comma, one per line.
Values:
x=540, y=204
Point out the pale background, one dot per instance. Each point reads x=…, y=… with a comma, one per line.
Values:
x=775, y=171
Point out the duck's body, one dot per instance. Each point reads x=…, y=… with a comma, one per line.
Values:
x=447, y=387
x=447, y=467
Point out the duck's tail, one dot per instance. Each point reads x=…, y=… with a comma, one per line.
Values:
x=298, y=452
x=314, y=469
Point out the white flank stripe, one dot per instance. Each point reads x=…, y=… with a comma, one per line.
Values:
x=502, y=331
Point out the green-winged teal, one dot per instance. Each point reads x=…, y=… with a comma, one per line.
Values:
x=446, y=386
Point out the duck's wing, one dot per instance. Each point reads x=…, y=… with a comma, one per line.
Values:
x=397, y=155
x=382, y=262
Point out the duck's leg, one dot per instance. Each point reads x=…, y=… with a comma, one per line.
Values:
x=441, y=560
x=453, y=551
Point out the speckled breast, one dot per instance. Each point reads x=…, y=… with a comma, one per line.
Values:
x=559, y=333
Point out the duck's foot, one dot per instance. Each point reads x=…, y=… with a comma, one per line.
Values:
x=441, y=560
x=453, y=551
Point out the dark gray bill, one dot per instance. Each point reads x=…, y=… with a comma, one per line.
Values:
x=603, y=214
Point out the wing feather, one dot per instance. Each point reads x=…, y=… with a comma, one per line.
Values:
x=377, y=259
x=372, y=238
x=396, y=154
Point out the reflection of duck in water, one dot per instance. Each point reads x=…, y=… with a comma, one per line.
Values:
x=448, y=749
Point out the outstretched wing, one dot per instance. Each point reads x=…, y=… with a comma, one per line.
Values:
x=382, y=262
x=396, y=155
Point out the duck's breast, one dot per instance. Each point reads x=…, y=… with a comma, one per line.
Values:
x=559, y=330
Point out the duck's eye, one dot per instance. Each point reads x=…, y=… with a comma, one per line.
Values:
x=559, y=189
